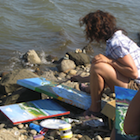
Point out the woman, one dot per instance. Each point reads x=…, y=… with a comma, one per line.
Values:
x=120, y=66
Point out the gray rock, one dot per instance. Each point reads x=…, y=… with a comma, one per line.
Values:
x=98, y=137
x=32, y=57
x=85, y=137
x=8, y=83
x=88, y=49
x=2, y=125
x=33, y=132
x=79, y=58
x=66, y=65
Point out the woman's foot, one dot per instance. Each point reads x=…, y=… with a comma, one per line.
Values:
x=90, y=115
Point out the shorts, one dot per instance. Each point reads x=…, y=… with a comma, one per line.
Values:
x=133, y=85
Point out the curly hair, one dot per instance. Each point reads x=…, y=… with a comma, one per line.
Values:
x=99, y=25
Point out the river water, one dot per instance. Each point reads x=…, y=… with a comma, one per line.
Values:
x=52, y=26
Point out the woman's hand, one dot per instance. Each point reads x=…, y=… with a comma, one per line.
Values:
x=101, y=58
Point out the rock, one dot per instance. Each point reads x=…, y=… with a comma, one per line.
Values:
x=62, y=75
x=34, y=132
x=85, y=137
x=77, y=87
x=79, y=58
x=16, y=133
x=5, y=135
x=84, y=74
x=20, y=126
x=66, y=65
x=78, y=136
x=8, y=83
x=50, y=137
x=78, y=51
x=73, y=72
x=112, y=95
x=54, y=133
x=2, y=125
x=31, y=57
x=98, y=137
x=49, y=75
x=51, y=58
x=88, y=49
x=4, y=73
x=73, y=138
x=107, y=138
x=22, y=95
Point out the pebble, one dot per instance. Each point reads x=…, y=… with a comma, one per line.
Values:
x=107, y=138
x=2, y=125
x=78, y=136
x=112, y=95
x=16, y=133
x=34, y=132
x=62, y=75
x=20, y=126
x=73, y=138
x=50, y=137
x=54, y=133
x=98, y=137
x=72, y=72
x=77, y=87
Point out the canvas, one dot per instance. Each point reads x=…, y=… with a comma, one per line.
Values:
x=33, y=110
x=63, y=93
x=123, y=98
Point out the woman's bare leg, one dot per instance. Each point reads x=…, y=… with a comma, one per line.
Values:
x=131, y=122
x=101, y=74
x=112, y=136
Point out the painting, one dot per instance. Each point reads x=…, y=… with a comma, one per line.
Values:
x=63, y=93
x=123, y=98
x=33, y=110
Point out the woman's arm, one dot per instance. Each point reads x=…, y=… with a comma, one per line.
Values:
x=126, y=65
x=132, y=118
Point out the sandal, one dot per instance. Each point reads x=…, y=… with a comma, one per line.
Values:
x=86, y=115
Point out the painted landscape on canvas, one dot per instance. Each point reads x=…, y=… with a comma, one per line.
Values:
x=33, y=110
x=123, y=98
x=60, y=92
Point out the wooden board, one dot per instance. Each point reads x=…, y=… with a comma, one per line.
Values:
x=33, y=110
x=63, y=93
x=123, y=98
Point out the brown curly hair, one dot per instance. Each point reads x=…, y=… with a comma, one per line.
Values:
x=99, y=25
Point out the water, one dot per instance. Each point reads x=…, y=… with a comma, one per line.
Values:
x=52, y=26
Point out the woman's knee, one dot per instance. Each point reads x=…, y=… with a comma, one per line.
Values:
x=101, y=68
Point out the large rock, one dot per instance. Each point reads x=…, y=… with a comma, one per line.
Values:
x=21, y=95
x=32, y=57
x=8, y=83
x=66, y=65
x=79, y=58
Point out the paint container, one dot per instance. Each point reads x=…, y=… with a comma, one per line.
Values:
x=65, y=131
